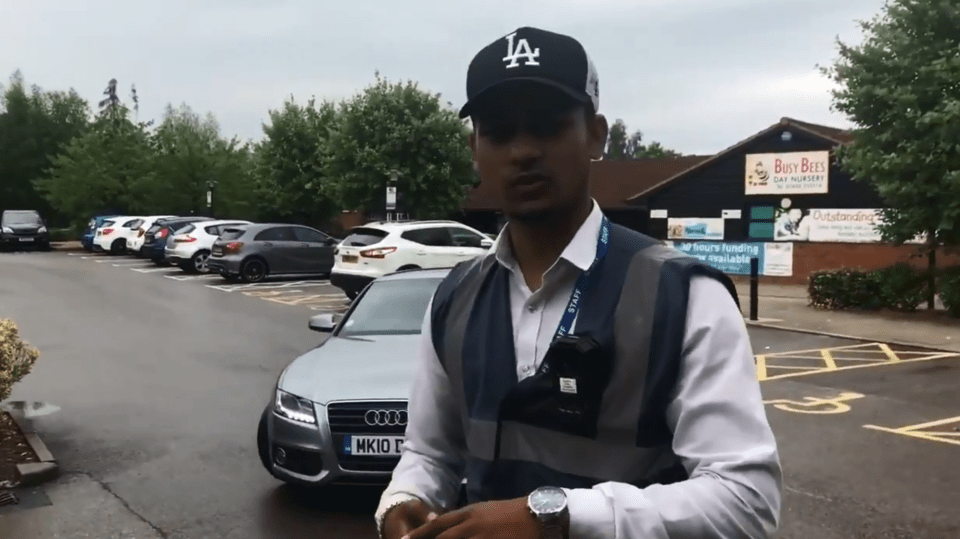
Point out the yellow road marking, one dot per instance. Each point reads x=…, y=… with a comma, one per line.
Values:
x=915, y=432
x=828, y=359
x=838, y=358
x=761, y=367
x=835, y=405
x=849, y=367
x=891, y=355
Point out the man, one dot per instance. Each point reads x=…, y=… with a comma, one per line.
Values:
x=645, y=418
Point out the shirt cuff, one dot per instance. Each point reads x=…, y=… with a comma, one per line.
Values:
x=591, y=515
x=389, y=501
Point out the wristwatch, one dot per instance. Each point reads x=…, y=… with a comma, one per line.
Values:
x=549, y=506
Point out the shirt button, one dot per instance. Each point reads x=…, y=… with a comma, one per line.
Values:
x=532, y=308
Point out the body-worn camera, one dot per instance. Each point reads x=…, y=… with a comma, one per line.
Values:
x=566, y=391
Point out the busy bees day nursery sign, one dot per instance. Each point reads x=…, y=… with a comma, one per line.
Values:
x=787, y=173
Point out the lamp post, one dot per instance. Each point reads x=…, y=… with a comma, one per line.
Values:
x=211, y=185
x=391, y=201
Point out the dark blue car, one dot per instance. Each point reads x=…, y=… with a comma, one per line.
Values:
x=88, y=234
x=155, y=239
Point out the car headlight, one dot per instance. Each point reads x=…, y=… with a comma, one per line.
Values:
x=42, y=230
x=7, y=230
x=295, y=408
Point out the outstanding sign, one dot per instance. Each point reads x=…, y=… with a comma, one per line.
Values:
x=793, y=173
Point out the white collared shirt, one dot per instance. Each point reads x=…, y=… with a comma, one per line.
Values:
x=720, y=428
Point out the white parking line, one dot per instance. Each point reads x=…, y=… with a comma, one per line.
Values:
x=131, y=264
x=154, y=270
x=191, y=277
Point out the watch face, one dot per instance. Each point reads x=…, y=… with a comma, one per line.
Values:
x=546, y=501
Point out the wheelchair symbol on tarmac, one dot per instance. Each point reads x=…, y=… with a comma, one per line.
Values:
x=814, y=405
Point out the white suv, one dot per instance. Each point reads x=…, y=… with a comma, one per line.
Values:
x=376, y=249
x=189, y=247
x=114, y=234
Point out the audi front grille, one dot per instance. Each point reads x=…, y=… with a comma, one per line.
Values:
x=376, y=418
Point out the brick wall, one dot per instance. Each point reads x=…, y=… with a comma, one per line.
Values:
x=811, y=257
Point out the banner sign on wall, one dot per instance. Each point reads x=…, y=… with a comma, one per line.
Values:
x=787, y=173
x=776, y=259
x=830, y=225
x=694, y=229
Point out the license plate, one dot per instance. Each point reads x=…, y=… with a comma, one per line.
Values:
x=26, y=239
x=372, y=446
x=352, y=259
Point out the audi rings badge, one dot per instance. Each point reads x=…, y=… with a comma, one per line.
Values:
x=385, y=418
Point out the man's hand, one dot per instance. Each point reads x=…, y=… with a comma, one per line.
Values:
x=404, y=518
x=510, y=519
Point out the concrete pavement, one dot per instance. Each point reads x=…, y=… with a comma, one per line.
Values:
x=787, y=307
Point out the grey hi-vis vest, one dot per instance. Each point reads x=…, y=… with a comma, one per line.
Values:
x=635, y=306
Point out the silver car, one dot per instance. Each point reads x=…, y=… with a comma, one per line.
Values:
x=340, y=410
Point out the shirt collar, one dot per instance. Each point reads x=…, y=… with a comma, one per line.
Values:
x=581, y=251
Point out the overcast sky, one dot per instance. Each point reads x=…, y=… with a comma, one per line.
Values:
x=696, y=75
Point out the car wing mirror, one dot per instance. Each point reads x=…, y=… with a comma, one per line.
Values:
x=324, y=323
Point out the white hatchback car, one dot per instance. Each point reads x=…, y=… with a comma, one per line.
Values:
x=190, y=247
x=137, y=240
x=115, y=233
x=376, y=249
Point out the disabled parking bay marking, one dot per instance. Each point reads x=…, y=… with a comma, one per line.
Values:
x=840, y=358
x=815, y=405
x=943, y=430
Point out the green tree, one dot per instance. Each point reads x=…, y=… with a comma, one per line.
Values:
x=34, y=126
x=621, y=145
x=289, y=170
x=901, y=87
x=108, y=168
x=399, y=127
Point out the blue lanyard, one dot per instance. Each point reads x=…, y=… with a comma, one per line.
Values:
x=573, y=307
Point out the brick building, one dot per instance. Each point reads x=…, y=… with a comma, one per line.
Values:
x=779, y=196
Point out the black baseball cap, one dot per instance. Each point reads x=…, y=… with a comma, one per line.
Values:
x=531, y=54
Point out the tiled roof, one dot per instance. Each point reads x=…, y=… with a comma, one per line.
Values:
x=611, y=181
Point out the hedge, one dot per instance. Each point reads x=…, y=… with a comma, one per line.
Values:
x=898, y=287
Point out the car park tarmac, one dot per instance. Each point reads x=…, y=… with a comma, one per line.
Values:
x=157, y=379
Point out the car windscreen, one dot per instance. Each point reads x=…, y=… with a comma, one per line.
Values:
x=362, y=237
x=393, y=307
x=184, y=229
x=20, y=218
x=133, y=224
x=231, y=234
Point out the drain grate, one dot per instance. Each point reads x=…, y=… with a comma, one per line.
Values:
x=7, y=498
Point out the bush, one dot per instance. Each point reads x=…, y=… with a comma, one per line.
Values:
x=844, y=288
x=64, y=234
x=898, y=287
x=949, y=286
x=902, y=288
x=16, y=357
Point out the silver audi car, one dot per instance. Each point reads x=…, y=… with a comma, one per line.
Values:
x=340, y=410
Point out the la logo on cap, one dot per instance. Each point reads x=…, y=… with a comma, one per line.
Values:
x=522, y=50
